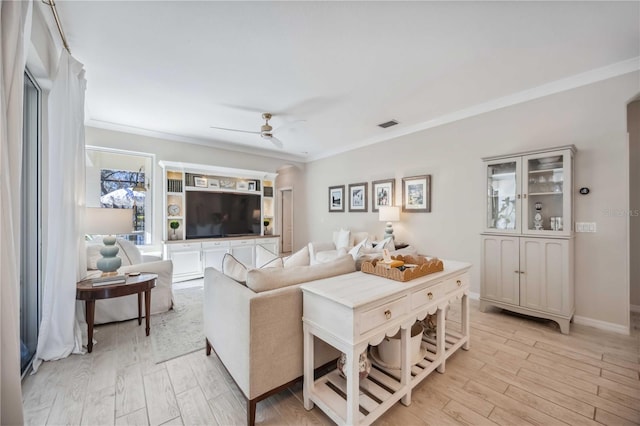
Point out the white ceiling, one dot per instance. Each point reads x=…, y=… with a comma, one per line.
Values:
x=177, y=67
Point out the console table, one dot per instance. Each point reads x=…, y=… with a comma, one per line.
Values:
x=353, y=311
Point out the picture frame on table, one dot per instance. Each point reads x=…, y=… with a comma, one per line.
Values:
x=382, y=194
x=336, y=199
x=200, y=182
x=214, y=183
x=252, y=186
x=358, y=197
x=416, y=194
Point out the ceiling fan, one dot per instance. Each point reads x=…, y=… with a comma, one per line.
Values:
x=266, y=131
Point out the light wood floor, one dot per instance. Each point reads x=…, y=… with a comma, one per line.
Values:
x=519, y=371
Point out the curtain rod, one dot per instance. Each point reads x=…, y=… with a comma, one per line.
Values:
x=52, y=5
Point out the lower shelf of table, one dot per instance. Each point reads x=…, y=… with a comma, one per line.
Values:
x=382, y=387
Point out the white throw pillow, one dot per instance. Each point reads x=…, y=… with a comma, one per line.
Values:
x=274, y=263
x=129, y=253
x=358, y=249
x=387, y=243
x=299, y=258
x=234, y=269
x=341, y=238
x=93, y=255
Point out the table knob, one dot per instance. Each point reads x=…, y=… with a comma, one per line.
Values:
x=459, y=283
x=430, y=296
x=387, y=314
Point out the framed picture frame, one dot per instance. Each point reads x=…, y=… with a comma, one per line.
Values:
x=416, y=194
x=214, y=183
x=382, y=193
x=252, y=186
x=358, y=197
x=200, y=182
x=242, y=185
x=336, y=199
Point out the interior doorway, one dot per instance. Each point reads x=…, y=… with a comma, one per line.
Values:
x=286, y=219
x=633, y=129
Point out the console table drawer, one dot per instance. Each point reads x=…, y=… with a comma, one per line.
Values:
x=377, y=316
x=427, y=295
x=454, y=284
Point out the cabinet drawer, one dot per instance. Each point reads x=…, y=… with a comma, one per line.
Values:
x=237, y=243
x=214, y=244
x=183, y=247
x=379, y=315
x=427, y=295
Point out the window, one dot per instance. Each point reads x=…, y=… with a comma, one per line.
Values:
x=118, y=179
x=30, y=256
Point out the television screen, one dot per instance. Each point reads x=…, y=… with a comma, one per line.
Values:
x=221, y=214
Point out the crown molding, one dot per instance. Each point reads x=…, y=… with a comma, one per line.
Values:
x=197, y=141
x=558, y=86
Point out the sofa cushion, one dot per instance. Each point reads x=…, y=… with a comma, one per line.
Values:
x=129, y=253
x=342, y=238
x=234, y=269
x=260, y=280
x=93, y=255
x=299, y=258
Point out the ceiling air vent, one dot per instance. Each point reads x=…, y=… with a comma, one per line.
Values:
x=388, y=124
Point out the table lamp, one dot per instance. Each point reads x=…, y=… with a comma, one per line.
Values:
x=389, y=214
x=108, y=222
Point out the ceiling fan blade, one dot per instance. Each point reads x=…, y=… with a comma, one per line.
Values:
x=277, y=142
x=234, y=130
x=285, y=126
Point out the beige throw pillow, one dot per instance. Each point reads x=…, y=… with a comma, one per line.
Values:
x=234, y=269
x=299, y=258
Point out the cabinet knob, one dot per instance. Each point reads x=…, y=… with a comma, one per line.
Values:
x=430, y=296
x=524, y=196
x=518, y=196
x=387, y=314
x=459, y=283
x=522, y=272
x=516, y=272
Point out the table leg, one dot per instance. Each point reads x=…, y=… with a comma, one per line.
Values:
x=353, y=386
x=90, y=308
x=405, y=364
x=139, y=308
x=308, y=383
x=440, y=338
x=147, y=308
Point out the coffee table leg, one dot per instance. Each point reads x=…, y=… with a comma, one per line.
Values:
x=90, y=306
x=139, y=308
x=147, y=307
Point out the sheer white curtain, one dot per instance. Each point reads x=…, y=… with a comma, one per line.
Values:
x=65, y=261
x=15, y=23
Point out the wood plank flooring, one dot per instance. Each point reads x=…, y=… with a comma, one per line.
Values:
x=519, y=371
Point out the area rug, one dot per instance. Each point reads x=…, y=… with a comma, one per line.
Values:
x=180, y=330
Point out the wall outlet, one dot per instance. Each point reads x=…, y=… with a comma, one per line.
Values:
x=585, y=227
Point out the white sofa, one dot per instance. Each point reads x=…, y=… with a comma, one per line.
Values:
x=126, y=308
x=255, y=324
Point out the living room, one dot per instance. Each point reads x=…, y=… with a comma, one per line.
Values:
x=588, y=105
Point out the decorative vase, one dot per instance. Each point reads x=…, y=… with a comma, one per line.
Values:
x=363, y=362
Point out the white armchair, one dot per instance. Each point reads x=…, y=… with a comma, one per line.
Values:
x=125, y=308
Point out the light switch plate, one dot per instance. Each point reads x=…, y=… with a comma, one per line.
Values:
x=585, y=227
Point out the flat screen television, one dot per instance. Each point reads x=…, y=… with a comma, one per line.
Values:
x=222, y=214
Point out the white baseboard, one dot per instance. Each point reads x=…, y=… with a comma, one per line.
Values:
x=602, y=325
x=635, y=308
x=474, y=296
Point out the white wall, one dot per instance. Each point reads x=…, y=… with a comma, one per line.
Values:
x=593, y=118
x=633, y=124
x=168, y=150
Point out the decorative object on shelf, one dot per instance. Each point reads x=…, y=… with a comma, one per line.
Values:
x=358, y=197
x=108, y=223
x=267, y=230
x=430, y=324
x=389, y=214
x=389, y=348
x=252, y=186
x=336, y=198
x=174, y=224
x=214, y=183
x=242, y=185
x=416, y=194
x=556, y=223
x=507, y=214
x=268, y=191
x=174, y=185
x=382, y=193
x=200, y=182
x=363, y=362
x=227, y=184
x=414, y=267
x=537, y=218
x=173, y=210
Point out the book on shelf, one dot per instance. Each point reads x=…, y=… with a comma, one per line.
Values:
x=115, y=279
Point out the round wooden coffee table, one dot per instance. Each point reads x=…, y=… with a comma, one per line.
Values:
x=143, y=283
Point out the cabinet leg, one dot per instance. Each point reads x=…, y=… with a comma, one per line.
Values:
x=564, y=326
x=465, y=322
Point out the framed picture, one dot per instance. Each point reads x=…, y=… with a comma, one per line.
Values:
x=382, y=193
x=358, y=197
x=242, y=185
x=214, y=183
x=416, y=194
x=200, y=182
x=336, y=198
x=252, y=186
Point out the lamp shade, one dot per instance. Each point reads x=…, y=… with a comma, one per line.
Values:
x=106, y=221
x=389, y=214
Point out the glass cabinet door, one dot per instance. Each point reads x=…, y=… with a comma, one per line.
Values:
x=503, y=195
x=546, y=193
